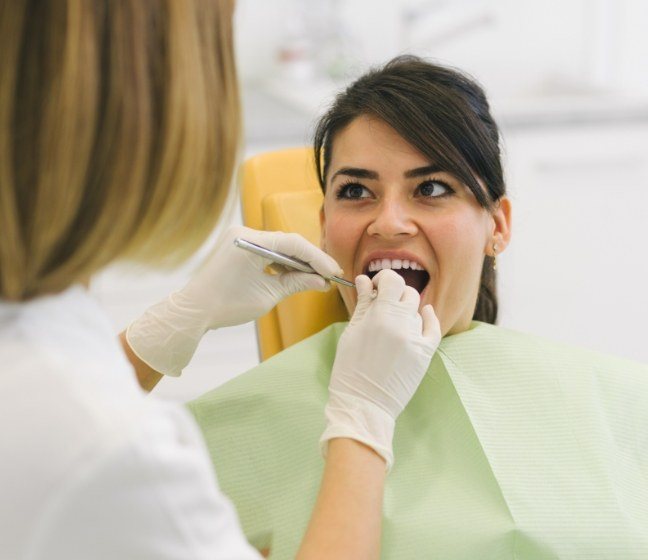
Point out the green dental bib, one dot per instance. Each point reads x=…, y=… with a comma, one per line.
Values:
x=513, y=447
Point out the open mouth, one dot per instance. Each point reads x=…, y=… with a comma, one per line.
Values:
x=412, y=272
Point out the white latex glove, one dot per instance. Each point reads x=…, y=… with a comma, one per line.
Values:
x=230, y=288
x=380, y=361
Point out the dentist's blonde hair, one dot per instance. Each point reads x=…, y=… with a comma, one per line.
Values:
x=119, y=128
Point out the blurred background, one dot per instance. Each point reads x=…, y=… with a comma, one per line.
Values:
x=568, y=84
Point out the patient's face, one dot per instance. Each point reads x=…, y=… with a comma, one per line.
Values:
x=387, y=206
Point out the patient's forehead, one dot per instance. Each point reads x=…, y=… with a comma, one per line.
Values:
x=369, y=142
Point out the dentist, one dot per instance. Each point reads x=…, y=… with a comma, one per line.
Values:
x=119, y=128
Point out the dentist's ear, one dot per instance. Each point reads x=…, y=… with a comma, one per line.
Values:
x=501, y=225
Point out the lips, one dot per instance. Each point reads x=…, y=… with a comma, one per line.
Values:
x=407, y=266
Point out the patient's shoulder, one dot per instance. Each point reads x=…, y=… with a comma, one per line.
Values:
x=494, y=344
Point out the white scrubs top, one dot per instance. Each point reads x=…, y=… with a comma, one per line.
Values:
x=90, y=467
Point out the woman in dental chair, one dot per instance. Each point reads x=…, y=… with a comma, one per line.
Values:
x=513, y=446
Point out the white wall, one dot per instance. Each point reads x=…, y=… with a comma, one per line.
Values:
x=576, y=269
x=513, y=46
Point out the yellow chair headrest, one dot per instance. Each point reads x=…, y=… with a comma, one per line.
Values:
x=280, y=193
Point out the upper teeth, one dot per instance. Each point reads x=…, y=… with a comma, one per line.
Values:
x=395, y=264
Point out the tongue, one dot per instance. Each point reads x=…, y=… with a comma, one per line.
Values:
x=416, y=278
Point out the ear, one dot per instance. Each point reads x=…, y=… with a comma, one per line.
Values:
x=501, y=226
x=322, y=219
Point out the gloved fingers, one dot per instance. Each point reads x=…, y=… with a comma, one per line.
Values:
x=418, y=320
x=225, y=253
x=389, y=284
x=294, y=245
x=410, y=298
x=293, y=282
x=431, y=326
x=265, y=239
x=364, y=289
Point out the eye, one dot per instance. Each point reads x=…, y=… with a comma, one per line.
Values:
x=353, y=191
x=434, y=189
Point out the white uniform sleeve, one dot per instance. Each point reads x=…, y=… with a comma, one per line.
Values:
x=150, y=495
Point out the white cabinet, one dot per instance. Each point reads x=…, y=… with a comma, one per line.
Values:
x=577, y=268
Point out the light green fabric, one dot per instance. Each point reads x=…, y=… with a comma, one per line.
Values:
x=513, y=447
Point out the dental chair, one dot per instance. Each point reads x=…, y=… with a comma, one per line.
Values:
x=280, y=192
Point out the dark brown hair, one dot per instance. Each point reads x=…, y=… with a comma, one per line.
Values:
x=119, y=129
x=441, y=112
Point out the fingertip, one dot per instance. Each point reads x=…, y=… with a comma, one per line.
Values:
x=326, y=265
x=363, y=285
x=388, y=276
x=431, y=325
x=389, y=285
x=339, y=270
x=411, y=296
x=321, y=284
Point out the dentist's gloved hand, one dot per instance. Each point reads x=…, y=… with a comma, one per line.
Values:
x=380, y=361
x=230, y=288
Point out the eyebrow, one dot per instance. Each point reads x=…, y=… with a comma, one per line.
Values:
x=356, y=172
x=421, y=171
x=360, y=173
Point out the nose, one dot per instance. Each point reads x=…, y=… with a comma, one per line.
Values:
x=392, y=220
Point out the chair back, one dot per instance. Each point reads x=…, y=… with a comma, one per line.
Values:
x=280, y=192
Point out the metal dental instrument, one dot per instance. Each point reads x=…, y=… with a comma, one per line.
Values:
x=281, y=258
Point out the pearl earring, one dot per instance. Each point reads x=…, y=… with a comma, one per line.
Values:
x=494, y=256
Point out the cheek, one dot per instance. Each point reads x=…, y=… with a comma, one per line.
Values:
x=342, y=234
x=458, y=242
